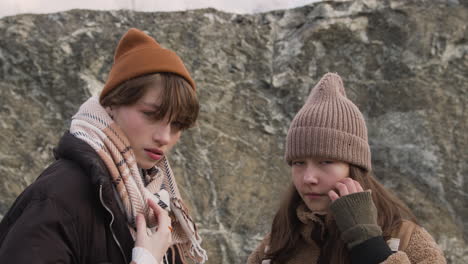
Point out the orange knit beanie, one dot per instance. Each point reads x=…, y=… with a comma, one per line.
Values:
x=138, y=54
x=330, y=126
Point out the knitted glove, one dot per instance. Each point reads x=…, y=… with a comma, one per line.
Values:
x=356, y=217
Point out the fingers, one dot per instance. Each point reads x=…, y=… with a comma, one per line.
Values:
x=358, y=186
x=158, y=242
x=156, y=208
x=333, y=195
x=350, y=185
x=161, y=214
x=164, y=230
x=140, y=223
x=344, y=187
x=141, y=230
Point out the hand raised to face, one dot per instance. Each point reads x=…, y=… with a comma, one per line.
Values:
x=344, y=187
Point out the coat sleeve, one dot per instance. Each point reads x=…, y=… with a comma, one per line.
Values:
x=256, y=257
x=422, y=249
x=43, y=233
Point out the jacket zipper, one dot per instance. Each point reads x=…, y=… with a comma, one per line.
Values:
x=110, y=224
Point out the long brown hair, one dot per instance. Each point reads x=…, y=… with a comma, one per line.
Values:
x=285, y=237
x=178, y=99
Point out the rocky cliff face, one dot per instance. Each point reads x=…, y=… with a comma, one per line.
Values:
x=405, y=64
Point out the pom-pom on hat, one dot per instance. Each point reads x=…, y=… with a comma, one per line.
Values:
x=330, y=126
x=138, y=54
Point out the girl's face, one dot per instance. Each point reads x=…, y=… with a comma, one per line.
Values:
x=315, y=177
x=149, y=138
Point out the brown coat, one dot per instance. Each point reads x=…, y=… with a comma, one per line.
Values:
x=421, y=248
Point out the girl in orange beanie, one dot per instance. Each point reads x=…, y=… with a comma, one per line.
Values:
x=335, y=211
x=110, y=196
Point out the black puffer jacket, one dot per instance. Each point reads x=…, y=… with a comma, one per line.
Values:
x=68, y=215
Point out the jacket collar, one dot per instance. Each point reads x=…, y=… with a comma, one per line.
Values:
x=312, y=228
x=76, y=150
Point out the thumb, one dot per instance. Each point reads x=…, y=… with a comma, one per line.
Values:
x=333, y=195
x=141, y=230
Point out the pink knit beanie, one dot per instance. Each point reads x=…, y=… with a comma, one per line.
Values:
x=330, y=126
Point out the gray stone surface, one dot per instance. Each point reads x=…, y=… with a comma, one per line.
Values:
x=405, y=63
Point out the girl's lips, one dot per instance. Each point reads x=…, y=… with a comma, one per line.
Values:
x=155, y=155
x=314, y=195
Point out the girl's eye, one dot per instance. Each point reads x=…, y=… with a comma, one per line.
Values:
x=325, y=162
x=149, y=114
x=178, y=125
x=297, y=163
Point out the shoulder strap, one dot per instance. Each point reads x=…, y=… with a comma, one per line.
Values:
x=404, y=234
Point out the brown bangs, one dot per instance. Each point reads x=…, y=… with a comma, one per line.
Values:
x=179, y=101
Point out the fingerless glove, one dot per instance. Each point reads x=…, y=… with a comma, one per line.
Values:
x=356, y=217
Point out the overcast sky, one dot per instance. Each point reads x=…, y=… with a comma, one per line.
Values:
x=13, y=7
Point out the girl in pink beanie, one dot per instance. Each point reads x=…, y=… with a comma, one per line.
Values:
x=335, y=211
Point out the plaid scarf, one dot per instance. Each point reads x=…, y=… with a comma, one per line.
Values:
x=93, y=125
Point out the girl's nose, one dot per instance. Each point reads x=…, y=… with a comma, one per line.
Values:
x=311, y=175
x=162, y=133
